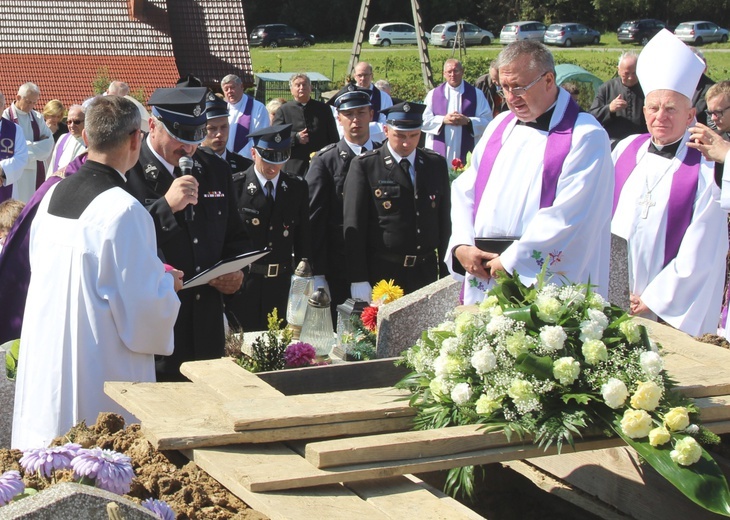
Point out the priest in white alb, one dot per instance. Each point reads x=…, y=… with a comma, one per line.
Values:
x=245, y=116
x=71, y=144
x=456, y=114
x=537, y=193
x=666, y=202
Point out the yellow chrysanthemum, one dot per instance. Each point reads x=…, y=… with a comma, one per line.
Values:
x=386, y=291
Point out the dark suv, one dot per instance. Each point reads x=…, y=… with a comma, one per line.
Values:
x=278, y=35
x=639, y=31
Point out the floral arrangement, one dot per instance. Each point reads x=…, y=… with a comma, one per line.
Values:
x=105, y=469
x=549, y=362
x=457, y=167
x=365, y=325
x=11, y=349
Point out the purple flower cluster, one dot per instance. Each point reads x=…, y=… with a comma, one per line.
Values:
x=10, y=485
x=299, y=355
x=46, y=460
x=109, y=470
x=160, y=508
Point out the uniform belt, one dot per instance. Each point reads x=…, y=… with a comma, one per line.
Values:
x=269, y=270
x=405, y=260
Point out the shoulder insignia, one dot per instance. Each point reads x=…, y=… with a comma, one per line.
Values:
x=251, y=188
x=344, y=155
x=326, y=148
x=389, y=160
x=151, y=172
x=284, y=185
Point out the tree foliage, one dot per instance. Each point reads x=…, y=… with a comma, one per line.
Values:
x=337, y=19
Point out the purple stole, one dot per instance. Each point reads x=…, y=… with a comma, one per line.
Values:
x=681, y=195
x=7, y=150
x=375, y=102
x=556, y=150
x=61, y=145
x=40, y=169
x=468, y=108
x=243, y=126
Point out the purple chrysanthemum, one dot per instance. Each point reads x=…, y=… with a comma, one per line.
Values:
x=110, y=470
x=10, y=485
x=160, y=508
x=299, y=355
x=47, y=460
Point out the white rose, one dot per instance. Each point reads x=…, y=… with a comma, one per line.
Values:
x=598, y=316
x=517, y=343
x=636, y=424
x=646, y=396
x=552, y=337
x=686, y=451
x=594, y=351
x=548, y=308
x=461, y=393
x=484, y=360
x=651, y=363
x=590, y=329
x=450, y=346
x=614, y=393
x=631, y=330
x=659, y=436
x=566, y=370
x=488, y=404
x=677, y=418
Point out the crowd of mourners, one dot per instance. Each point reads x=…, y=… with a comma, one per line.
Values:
x=107, y=216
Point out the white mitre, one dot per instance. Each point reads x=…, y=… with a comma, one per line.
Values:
x=668, y=64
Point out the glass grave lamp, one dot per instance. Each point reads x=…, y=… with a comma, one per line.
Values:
x=302, y=285
x=317, y=328
x=345, y=328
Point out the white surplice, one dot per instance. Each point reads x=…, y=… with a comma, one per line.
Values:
x=100, y=305
x=24, y=187
x=432, y=124
x=66, y=150
x=687, y=293
x=572, y=236
x=259, y=119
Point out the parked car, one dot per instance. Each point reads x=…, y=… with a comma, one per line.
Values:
x=569, y=34
x=700, y=32
x=639, y=31
x=279, y=35
x=394, y=33
x=444, y=34
x=522, y=31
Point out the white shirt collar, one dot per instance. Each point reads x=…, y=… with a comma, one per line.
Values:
x=357, y=148
x=263, y=180
x=411, y=158
x=170, y=167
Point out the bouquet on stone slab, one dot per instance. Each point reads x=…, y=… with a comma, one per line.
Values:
x=365, y=325
x=549, y=362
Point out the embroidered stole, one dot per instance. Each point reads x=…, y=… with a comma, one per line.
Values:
x=40, y=169
x=243, y=126
x=468, y=108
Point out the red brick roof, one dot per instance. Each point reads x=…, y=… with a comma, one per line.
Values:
x=64, y=45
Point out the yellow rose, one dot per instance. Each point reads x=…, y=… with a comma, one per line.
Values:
x=485, y=405
x=677, y=418
x=686, y=451
x=659, y=436
x=636, y=424
x=647, y=396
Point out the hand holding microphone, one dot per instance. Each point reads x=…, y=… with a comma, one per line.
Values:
x=186, y=168
x=183, y=194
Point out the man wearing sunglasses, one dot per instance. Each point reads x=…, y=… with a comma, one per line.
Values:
x=537, y=194
x=71, y=144
x=274, y=207
x=195, y=217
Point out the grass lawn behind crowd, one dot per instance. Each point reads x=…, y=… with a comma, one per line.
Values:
x=399, y=64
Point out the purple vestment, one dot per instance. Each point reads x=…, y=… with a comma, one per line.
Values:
x=468, y=108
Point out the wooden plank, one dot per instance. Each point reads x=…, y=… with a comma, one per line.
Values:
x=714, y=409
x=170, y=423
x=228, y=380
x=314, y=409
x=337, y=377
x=392, y=499
x=272, y=467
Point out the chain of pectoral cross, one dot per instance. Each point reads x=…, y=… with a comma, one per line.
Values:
x=646, y=201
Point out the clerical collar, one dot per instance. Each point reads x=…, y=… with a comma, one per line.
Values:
x=458, y=88
x=668, y=151
x=542, y=122
x=263, y=180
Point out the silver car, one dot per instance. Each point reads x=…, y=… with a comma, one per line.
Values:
x=394, y=33
x=444, y=34
x=569, y=34
x=522, y=31
x=697, y=33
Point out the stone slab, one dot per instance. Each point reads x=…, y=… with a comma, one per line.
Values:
x=7, y=400
x=69, y=501
x=618, y=278
x=401, y=322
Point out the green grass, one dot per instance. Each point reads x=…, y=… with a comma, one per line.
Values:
x=399, y=64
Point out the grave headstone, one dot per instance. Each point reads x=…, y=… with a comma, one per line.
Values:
x=618, y=278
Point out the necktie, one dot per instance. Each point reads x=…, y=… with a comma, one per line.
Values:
x=269, y=192
x=363, y=149
x=405, y=164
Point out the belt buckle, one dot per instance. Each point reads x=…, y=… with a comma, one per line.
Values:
x=410, y=261
x=272, y=271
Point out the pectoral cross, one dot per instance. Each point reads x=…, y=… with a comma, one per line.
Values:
x=647, y=203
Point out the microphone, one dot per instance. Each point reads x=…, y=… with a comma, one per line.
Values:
x=186, y=168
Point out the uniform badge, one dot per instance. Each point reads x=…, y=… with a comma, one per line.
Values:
x=197, y=110
x=151, y=171
x=255, y=221
x=277, y=139
x=378, y=193
x=284, y=186
x=406, y=107
x=251, y=188
x=433, y=200
x=286, y=233
x=388, y=160
x=387, y=204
